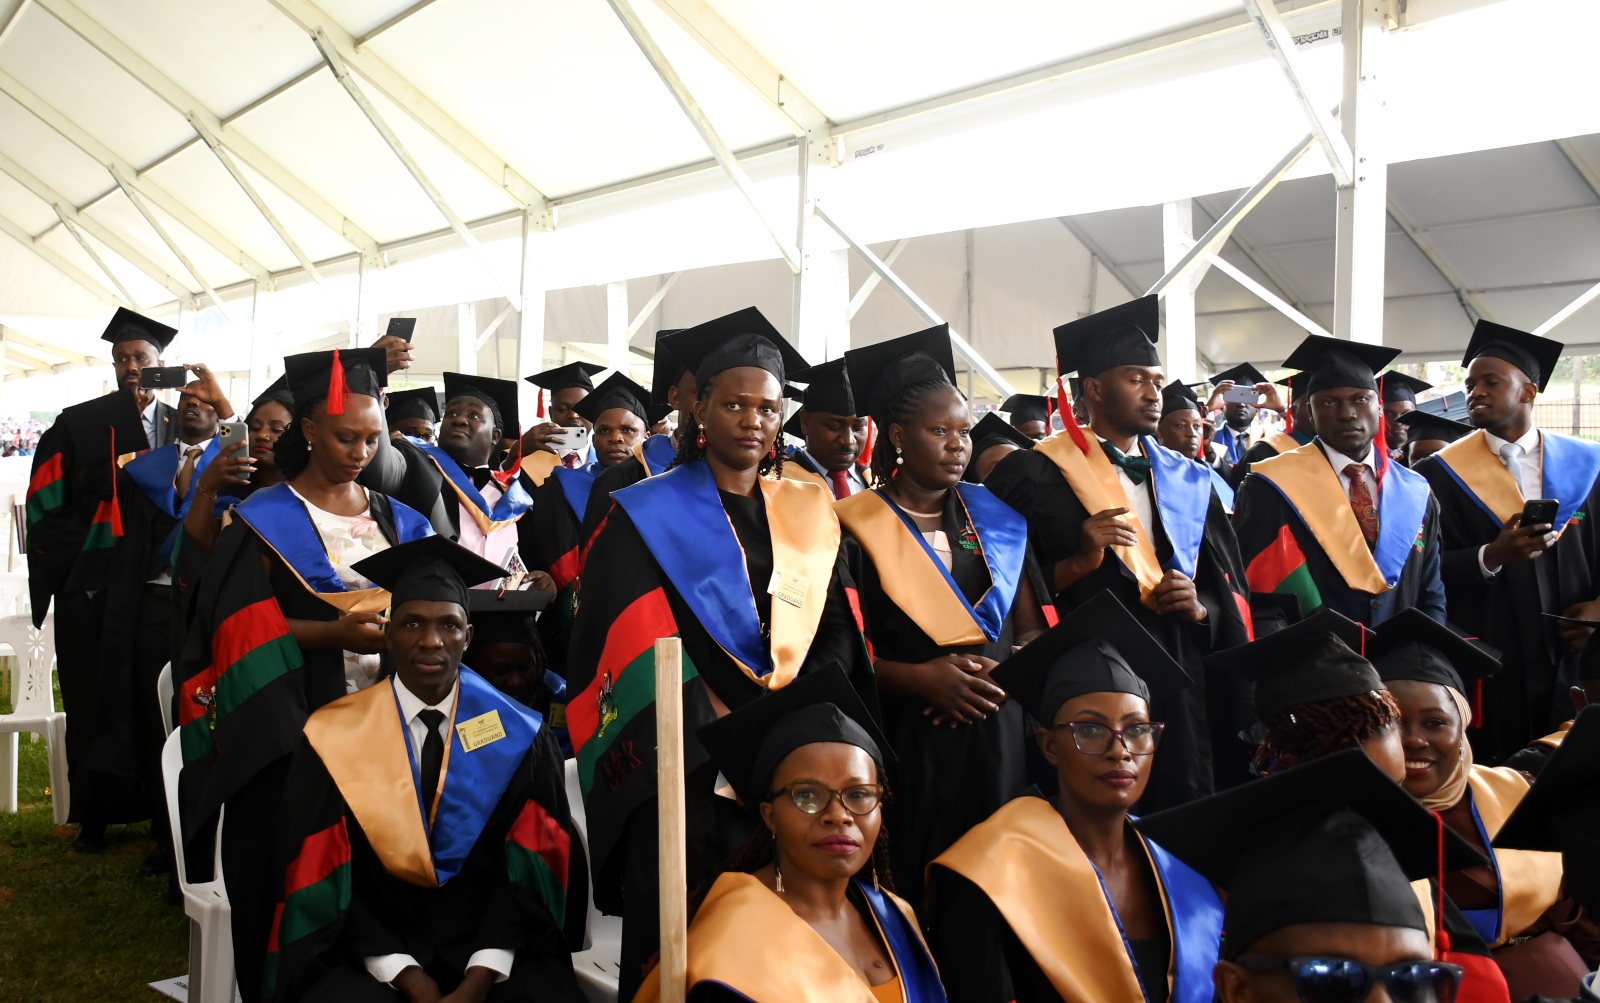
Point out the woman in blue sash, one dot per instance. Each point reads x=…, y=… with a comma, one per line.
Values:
x=1141, y=926
x=806, y=909
x=948, y=589
x=745, y=569
x=282, y=625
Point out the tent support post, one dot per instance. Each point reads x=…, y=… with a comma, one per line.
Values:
x=1177, y=236
x=1363, y=216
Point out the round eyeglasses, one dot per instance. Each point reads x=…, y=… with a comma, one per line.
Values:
x=813, y=798
x=1094, y=739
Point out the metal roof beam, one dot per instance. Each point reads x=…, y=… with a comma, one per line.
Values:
x=336, y=63
x=62, y=265
x=172, y=245
x=1583, y=300
x=1471, y=305
x=1581, y=164
x=385, y=26
x=93, y=254
x=702, y=124
x=313, y=20
x=1267, y=296
x=13, y=336
x=193, y=111
x=1278, y=284
x=745, y=62
x=651, y=304
x=1093, y=247
x=871, y=281
x=80, y=137
x=1276, y=36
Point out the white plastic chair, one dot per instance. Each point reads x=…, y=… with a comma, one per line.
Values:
x=211, y=976
x=33, y=709
x=599, y=964
x=13, y=593
x=164, y=694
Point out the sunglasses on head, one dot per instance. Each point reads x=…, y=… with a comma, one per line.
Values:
x=1331, y=979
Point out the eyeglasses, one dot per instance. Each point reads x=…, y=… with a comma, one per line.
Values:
x=813, y=798
x=1093, y=739
x=1345, y=980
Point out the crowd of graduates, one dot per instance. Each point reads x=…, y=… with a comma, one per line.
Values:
x=1257, y=693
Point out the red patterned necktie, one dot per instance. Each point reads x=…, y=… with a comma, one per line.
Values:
x=841, y=483
x=572, y=461
x=1361, y=502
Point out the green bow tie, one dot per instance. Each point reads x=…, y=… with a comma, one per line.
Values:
x=1136, y=467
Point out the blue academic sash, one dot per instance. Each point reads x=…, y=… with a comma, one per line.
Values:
x=659, y=453
x=512, y=504
x=1487, y=921
x=1003, y=537
x=281, y=519
x=1196, y=926
x=1224, y=491
x=918, y=976
x=156, y=474
x=1183, y=495
x=1402, y=506
x=474, y=782
x=681, y=519
x=1234, y=441
x=575, y=486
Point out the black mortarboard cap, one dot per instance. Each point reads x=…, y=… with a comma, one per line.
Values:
x=1413, y=645
x=616, y=390
x=1244, y=375
x=992, y=430
x=1308, y=662
x=433, y=568
x=879, y=372
x=665, y=370
x=1331, y=841
x=423, y=402
x=820, y=706
x=1097, y=648
x=500, y=395
x=1329, y=363
x=505, y=616
x=1427, y=425
x=1562, y=810
x=1178, y=396
x=1400, y=387
x=129, y=326
x=366, y=372
x=1124, y=335
x=573, y=374
x=400, y=327
x=1027, y=407
x=1534, y=355
x=278, y=391
x=742, y=338
x=828, y=388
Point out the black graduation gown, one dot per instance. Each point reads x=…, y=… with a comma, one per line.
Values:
x=610, y=480
x=948, y=779
x=441, y=927
x=1200, y=749
x=623, y=586
x=1260, y=511
x=553, y=543
x=1529, y=696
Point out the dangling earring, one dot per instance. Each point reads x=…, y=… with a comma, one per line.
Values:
x=777, y=872
x=899, y=460
x=772, y=454
x=308, y=447
x=700, y=441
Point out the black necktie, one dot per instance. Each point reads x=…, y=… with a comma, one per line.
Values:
x=480, y=477
x=432, y=757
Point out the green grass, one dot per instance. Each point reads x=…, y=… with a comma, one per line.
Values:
x=78, y=927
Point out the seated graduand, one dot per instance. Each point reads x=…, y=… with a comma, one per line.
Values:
x=746, y=569
x=1142, y=926
x=672, y=389
x=831, y=430
x=427, y=845
x=948, y=589
x=1028, y=414
x=806, y=909
x=567, y=386
x=282, y=624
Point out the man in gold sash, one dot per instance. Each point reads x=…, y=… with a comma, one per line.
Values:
x=1500, y=575
x=1335, y=522
x=1109, y=508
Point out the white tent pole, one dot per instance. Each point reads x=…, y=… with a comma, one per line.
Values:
x=1267, y=296
x=172, y=245
x=1362, y=220
x=651, y=304
x=1281, y=45
x=94, y=256
x=1178, y=346
x=871, y=281
x=1588, y=296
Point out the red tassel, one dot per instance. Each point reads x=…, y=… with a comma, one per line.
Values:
x=336, y=389
x=116, y=506
x=538, y=406
x=1069, y=421
x=872, y=440
x=1442, y=939
x=1477, y=702
x=1382, y=442
x=505, y=477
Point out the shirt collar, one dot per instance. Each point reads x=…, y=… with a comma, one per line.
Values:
x=411, y=704
x=149, y=412
x=1529, y=441
x=184, y=447
x=1340, y=461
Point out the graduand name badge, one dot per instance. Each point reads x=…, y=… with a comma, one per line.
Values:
x=480, y=731
x=789, y=586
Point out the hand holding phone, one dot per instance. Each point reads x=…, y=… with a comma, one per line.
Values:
x=231, y=432
x=1539, y=512
x=163, y=378
x=1241, y=395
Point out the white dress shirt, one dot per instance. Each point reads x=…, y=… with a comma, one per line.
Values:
x=1138, y=494
x=387, y=967
x=147, y=417
x=852, y=476
x=1369, y=475
x=1532, y=482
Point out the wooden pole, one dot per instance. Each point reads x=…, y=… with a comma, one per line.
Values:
x=670, y=820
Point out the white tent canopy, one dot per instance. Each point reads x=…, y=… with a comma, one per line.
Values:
x=159, y=152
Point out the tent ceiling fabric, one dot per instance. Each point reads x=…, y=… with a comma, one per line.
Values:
x=507, y=103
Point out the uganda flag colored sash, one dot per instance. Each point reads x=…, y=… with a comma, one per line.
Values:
x=1567, y=473
x=915, y=579
x=1027, y=862
x=47, y=491
x=507, y=509
x=316, y=894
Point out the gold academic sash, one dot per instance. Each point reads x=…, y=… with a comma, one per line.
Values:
x=1307, y=479
x=1530, y=880
x=363, y=744
x=1094, y=480
x=748, y=939
x=538, y=464
x=486, y=525
x=794, y=471
x=903, y=570
x=805, y=539
x=1026, y=860
x=1281, y=441
x=1471, y=459
x=1553, y=740
x=373, y=600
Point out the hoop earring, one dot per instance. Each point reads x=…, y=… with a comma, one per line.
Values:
x=700, y=441
x=899, y=460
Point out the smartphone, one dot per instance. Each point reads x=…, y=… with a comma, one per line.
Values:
x=163, y=378
x=1241, y=395
x=231, y=432
x=401, y=327
x=571, y=440
x=1539, y=512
